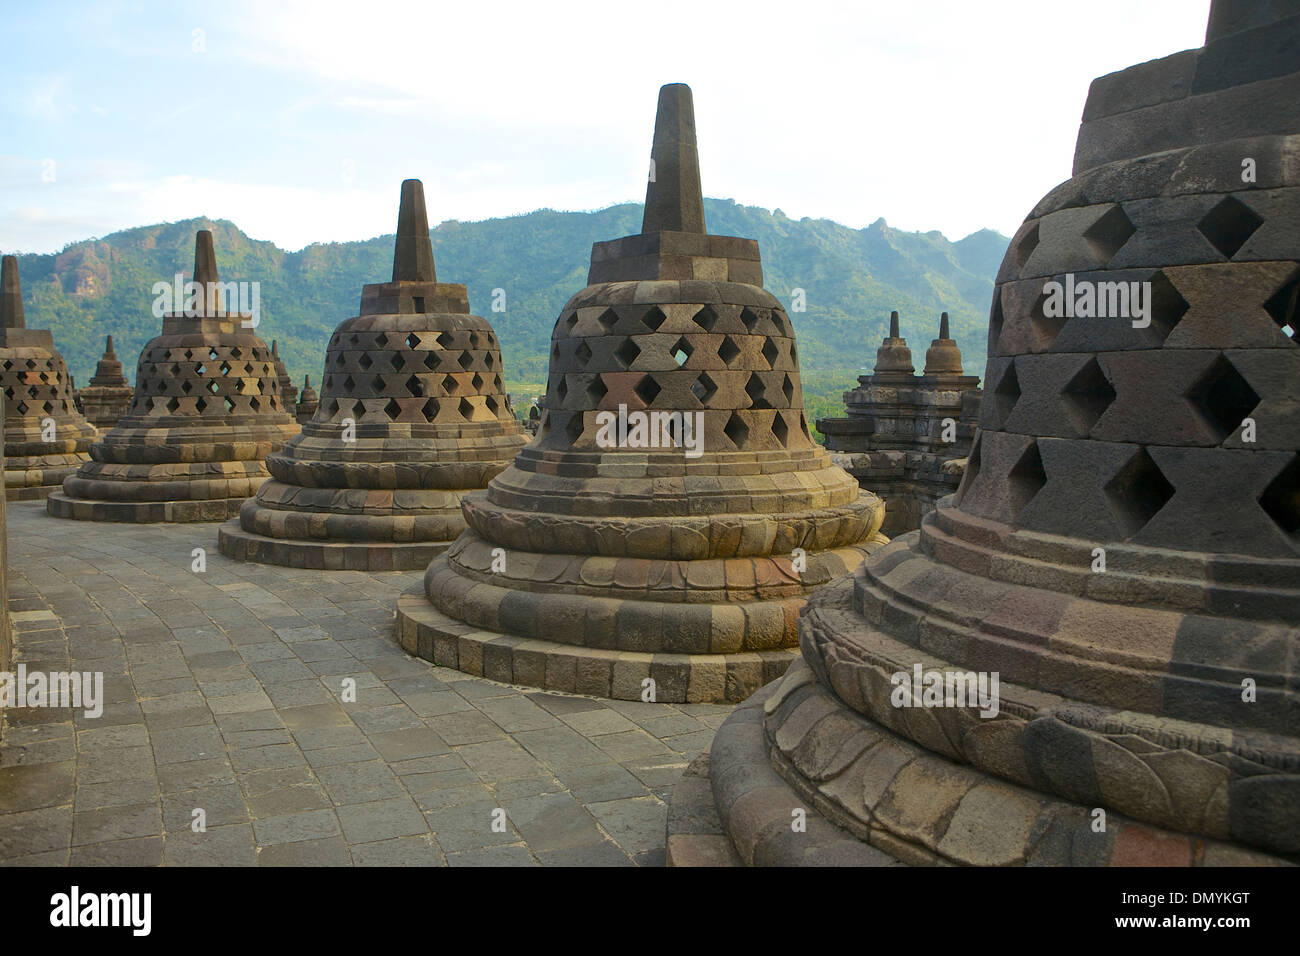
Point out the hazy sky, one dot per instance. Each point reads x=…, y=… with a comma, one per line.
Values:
x=299, y=120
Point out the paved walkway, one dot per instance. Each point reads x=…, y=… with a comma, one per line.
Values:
x=224, y=693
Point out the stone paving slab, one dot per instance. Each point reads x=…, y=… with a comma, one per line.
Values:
x=277, y=701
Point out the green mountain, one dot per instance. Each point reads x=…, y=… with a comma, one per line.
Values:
x=851, y=279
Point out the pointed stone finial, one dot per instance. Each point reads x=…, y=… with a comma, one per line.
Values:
x=108, y=347
x=205, y=273
x=673, y=199
x=893, y=325
x=413, y=254
x=306, y=381
x=11, y=295
x=943, y=326
x=275, y=347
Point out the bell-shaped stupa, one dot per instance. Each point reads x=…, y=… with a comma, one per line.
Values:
x=412, y=414
x=206, y=412
x=45, y=437
x=108, y=396
x=1091, y=654
x=660, y=534
x=308, y=402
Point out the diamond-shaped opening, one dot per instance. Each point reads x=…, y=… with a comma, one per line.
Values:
x=477, y=382
x=225, y=368
x=575, y=428
x=1223, y=397
x=570, y=321
x=607, y=319
x=995, y=322
x=770, y=352
x=173, y=403
x=240, y=385
x=48, y=407
x=392, y=409
x=704, y=388
x=189, y=354
x=449, y=384
x=466, y=408
x=212, y=386
x=1005, y=395
x=1088, y=395
x=754, y=389
x=596, y=391
x=200, y=404
x=398, y=362
x=1281, y=499
x=1229, y=224
x=235, y=352
x=647, y=389
x=445, y=339
x=1167, y=306
x=1026, y=478
x=1282, y=307
x=377, y=385
x=1109, y=233
x=230, y=404
x=413, y=340
x=653, y=318
x=1026, y=246
x=706, y=318
x=728, y=350
x=338, y=359
x=787, y=389
x=736, y=430
x=780, y=429
x=1045, y=328
x=381, y=340
x=430, y=410
x=348, y=384
x=582, y=353
x=186, y=386
x=430, y=360
x=212, y=354
x=562, y=390
x=491, y=404
x=465, y=360
x=749, y=317
x=972, y=470
x=333, y=408
x=627, y=353
x=415, y=386
x=176, y=369
x=555, y=352
x=1137, y=492
x=488, y=360
x=682, y=351
x=365, y=361
x=255, y=403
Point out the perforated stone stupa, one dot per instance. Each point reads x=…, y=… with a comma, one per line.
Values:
x=206, y=411
x=412, y=414
x=598, y=564
x=905, y=436
x=38, y=402
x=308, y=402
x=108, y=396
x=1163, y=685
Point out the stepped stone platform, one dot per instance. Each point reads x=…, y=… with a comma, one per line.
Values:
x=39, y=402
x=617, y=566
x=412, y=415
x=206, y=412
x=108, y=396
x=1123, y=553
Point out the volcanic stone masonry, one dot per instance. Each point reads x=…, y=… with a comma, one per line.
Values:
x=594, y=567
x=412, y=414
x=206, y=411
x=39, y=403
x=895, y=438
x=288, y=393
x=1163, y=686
x=108, y=396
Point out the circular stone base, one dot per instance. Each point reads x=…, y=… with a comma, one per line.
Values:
x=59, y=505
x=426, y=632
x=239, y=544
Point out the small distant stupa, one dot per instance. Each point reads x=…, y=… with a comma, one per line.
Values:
x=108, y=396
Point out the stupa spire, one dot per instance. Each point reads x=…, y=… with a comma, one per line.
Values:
x=673, y=199
x=11, y=295
x=413, y=251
